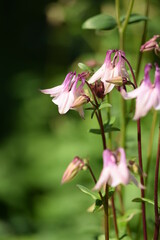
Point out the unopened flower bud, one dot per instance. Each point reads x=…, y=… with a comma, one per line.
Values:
x=72, y=170
x=150, y=45
x=135, y=168
x=117, y=81
x=99, y=89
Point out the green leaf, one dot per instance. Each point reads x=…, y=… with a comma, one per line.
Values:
x=111, y=192
x=104, y=105
x=101, y=237
x=106, y=130
x=145, y=200
x=87, y=191
x=107, y=127
x=134, y=18
x=84, y=67
x=123, y=236
x=129, y=215
x=110, y=129
x=98, y=205
x=112, y=120
x=100, y=22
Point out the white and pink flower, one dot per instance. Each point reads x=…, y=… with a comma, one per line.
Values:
x=115, y=170
x=111, y=70
x=147, y=95
x=69, y=95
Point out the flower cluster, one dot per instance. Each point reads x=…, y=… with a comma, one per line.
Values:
x=71, y=94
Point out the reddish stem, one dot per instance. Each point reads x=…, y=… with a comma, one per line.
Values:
x=114, y=217
x=141, y=178
x=157, y=215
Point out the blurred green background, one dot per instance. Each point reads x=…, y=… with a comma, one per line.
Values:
x=40, y=42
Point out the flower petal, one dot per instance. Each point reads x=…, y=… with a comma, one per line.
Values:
x=55, y=91
x=97, y=75
x=132, y=94
x=64, y=102
x=144, y=103
x=103, y=179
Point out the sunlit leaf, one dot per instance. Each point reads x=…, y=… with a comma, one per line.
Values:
x=87, y=191
x=104, y=105
x=134, y=18
x=100, y=22
x=101, y=237
x=145, y=200
x=128, y=215
x=84, y=67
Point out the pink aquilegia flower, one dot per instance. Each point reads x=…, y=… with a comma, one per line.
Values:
x=151, y=44
x=69, y=95
x=115, y=170
x=111, y=70
x=147, y=95
x=72, y=170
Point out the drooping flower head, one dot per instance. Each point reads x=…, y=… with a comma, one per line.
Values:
x=69, y=95
x=147, y=95
x=151, y=44
x=72, y=170
x=115, y=170
x=111, y=70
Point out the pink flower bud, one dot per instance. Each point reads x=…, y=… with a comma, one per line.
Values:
x=151, y=45
x=72, y=170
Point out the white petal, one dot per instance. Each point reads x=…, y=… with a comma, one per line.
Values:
x=80, y=111
x=144, y=103
x=55, y=91
x=132, y=94
x=64, y=102
x=98, y=74
x=103, y=179
x=116, y=178
x=157, y=102
x=108, y=87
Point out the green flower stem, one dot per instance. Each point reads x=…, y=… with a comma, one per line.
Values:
x=157, y=214
x=150, y=144
x=124, y=25
x=122, y=28
x=118, y=14
x=142, y=40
